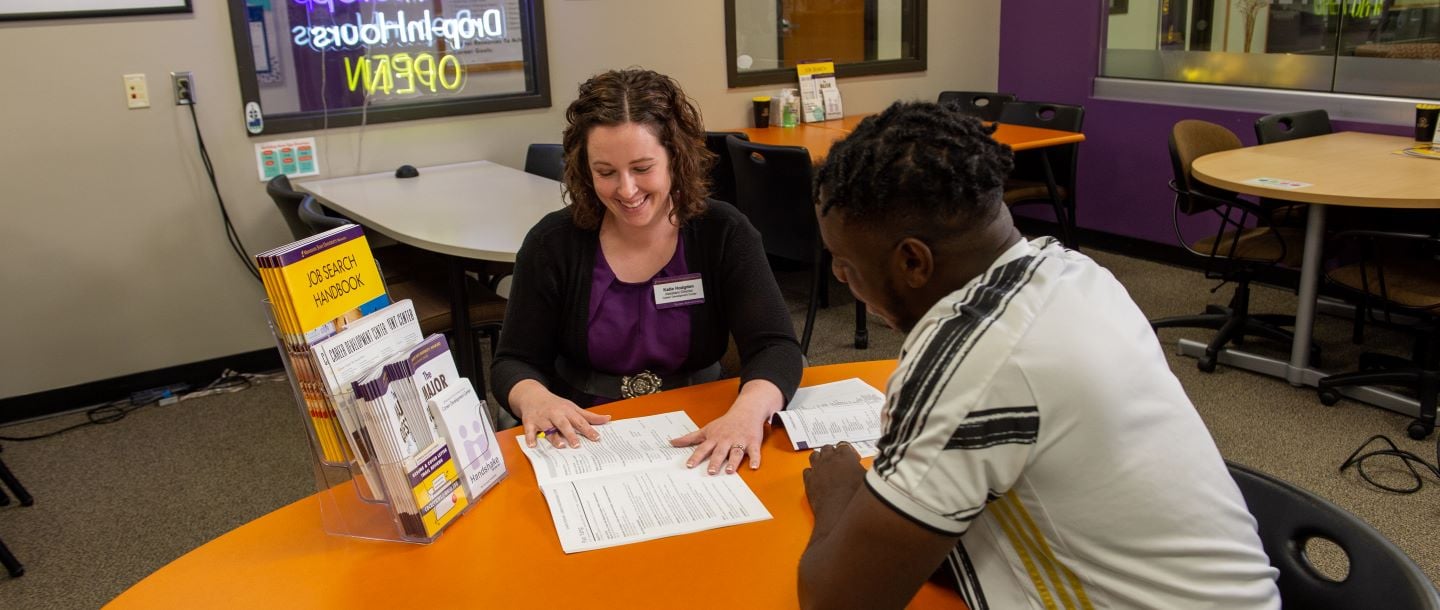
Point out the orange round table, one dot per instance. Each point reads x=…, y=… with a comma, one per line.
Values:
x=504, y=553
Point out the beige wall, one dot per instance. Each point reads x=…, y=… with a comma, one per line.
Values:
x=111, y=249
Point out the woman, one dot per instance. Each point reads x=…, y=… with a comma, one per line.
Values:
x=636, y=286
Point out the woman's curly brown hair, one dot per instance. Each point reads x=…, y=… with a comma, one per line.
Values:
x=647, y=98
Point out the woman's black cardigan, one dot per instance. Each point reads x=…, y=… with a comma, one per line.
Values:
x=547, y=314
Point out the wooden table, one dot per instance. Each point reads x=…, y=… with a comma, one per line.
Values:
x=474, y=210
x=1342, y=169
x=504, y=553
x=818, y=137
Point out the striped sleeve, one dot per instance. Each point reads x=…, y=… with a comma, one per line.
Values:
x=960, y=421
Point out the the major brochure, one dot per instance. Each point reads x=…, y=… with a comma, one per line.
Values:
x=632, y=485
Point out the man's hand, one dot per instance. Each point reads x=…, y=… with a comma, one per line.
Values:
x=863, y=553
x=831, y=480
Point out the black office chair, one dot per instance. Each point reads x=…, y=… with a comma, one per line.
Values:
x=428, y=290
x=1035, y=169
x=1380, y=575
x=773, y=189
x=722, y=174
x=1287, y=126
x=1402, y=271
x=7, y=559
x=1283, y=127
x=1235, y=250
x=547, y=160
x=983, y=105
x=287, y=199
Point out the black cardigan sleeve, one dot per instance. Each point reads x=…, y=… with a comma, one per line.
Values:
x=530, y=337
x=754, y=308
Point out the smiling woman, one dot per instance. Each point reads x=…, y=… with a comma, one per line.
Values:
x=639, y=285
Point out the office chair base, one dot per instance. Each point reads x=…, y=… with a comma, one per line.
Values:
x=1232, y=328
x=1425, y=382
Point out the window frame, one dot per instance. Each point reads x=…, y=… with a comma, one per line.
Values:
x=913, y=28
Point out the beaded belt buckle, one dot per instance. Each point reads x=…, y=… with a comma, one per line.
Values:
x=639, y=384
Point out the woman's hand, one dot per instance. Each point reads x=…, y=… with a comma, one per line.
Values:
x=739, y=432
x=562, y=421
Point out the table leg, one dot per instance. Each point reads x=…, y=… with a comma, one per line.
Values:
x=1298, y=370
x=460, y=320
x=1309, y=287
x=1061, y=217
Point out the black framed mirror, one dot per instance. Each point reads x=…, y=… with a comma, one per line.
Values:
x=766, y=39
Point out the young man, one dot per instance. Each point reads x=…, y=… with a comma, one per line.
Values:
x=1037, y=448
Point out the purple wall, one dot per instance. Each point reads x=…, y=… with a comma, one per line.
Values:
x=1050, y=51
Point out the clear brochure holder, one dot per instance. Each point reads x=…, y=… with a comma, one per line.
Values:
x=349, y=481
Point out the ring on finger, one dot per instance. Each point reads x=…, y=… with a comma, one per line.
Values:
x=740, y=446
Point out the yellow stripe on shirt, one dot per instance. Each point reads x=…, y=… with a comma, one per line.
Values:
x=1075, y=584
x=1003, y=517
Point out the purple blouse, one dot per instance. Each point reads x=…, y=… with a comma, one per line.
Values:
x=627, y=334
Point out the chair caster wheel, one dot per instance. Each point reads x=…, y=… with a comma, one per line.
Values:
x=1206, y=365
x=1418, y=430
x=1329, y=397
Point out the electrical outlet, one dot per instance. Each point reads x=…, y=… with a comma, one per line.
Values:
x=184, y=85
x=137, y=95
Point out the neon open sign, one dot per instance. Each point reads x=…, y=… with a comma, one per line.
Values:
x=400, y=73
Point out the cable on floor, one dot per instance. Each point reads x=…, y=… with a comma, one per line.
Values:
x=114, y=411
x=1359, y=459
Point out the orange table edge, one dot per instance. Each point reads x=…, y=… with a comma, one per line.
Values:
x=504, y=553
x=819, y=137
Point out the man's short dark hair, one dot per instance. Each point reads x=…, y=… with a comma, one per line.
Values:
x=916, y=165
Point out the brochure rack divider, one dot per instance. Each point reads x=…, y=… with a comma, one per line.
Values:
x=351, y=504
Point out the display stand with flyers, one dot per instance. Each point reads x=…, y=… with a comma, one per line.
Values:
x=367, y=382
x=819, y=94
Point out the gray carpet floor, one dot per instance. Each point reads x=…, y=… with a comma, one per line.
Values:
x=116, y=502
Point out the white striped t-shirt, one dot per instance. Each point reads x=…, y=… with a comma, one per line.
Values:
x=1033, y=413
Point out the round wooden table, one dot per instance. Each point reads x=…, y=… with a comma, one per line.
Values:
x=1349, y=169
x=504, y=552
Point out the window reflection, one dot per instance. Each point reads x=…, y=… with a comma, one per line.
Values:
x=1380, y=47
x=768, y=38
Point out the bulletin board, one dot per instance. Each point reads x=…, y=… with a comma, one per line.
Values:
x=67, y=9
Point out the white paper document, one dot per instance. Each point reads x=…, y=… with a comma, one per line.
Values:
x=632, y=486
x=826, y=414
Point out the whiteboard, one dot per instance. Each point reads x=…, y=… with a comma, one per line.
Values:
x=56, y=9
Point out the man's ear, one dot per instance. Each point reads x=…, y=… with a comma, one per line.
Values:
x=914, y=262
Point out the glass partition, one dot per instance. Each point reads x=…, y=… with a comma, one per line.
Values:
x=1373, y=47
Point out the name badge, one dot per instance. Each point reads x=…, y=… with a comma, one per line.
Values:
x=678, y=291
